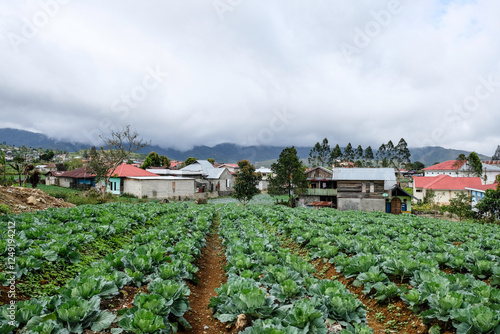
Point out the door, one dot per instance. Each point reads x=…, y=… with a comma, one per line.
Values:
x=396, y=206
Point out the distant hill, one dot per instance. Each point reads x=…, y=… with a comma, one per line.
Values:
x=230, y=153
x=36, y=140
x=431, y=154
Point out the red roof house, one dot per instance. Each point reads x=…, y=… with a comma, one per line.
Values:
x=126, y=170
x=445, y=186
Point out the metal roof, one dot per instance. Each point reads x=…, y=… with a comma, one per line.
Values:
x=364, y=174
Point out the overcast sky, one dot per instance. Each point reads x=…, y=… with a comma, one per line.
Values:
x=280, y=72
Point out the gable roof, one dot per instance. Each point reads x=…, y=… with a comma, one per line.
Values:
x=126, y=170
x=364, y=174
x=199, y=166
x=447, y=165
x=483, y=187
x=79, y=173
x=446, y=182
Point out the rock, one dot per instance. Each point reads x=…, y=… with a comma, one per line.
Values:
x=31, y=200
x=241, y=322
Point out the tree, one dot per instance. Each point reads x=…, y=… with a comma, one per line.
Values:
x=401, y=152
x=34, y=179
x=381, y=152
x=117, y=148
x=348, y=153
x=245, y=186
x=489, y=206
x=314, y=156
x=18, y=166
x=152, y=160
x=320, y=154
x=73, y=164
x=417, y=165
x=3, y=164
x=475, y=164
x=335, y=154
x=47, y=156
x=369, y=154
x=390, y=152
x=290, y=177
x=189, y=161
x=461, y=159
x=358, y=153
x=461, y=206
x=211, y=160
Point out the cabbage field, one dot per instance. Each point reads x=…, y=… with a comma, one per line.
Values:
x=125, y=268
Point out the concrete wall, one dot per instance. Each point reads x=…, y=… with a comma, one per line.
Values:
x=65, y=182
x=160, y=189
x=225, y=181
x=372, y=204
x=344, y=204
x=363, y=204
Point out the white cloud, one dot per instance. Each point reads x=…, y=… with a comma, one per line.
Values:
x=362, y=72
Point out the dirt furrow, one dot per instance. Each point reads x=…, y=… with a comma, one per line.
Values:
x=211, y=275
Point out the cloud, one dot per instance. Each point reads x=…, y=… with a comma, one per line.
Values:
x=362, y=72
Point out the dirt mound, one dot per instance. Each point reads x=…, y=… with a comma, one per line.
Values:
x=20, y=199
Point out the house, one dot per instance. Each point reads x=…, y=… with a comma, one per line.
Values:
x=445, y=187
x=478, y=192
x=207, y=177
x=457, y=168
x=116, y=184
x=363, y=189
x=159, y=187
x=77, y=178
x=398, y=201
x=233, y=168
x=53, y=178
x=265, y=173
x=210, y=178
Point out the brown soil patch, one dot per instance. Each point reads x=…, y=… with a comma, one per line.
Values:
x=210, y=276
x=20, y=199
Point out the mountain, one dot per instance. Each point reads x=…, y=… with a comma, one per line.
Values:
x=432, y=154
x=36, y=140
x=229, y=153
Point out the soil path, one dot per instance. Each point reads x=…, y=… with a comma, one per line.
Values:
x=211, y=275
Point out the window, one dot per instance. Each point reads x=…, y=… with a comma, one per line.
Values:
x=372, y=187
x=173, y=187
x=363, y=187
x=419, y=190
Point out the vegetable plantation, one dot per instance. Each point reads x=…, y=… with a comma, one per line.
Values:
x=128, y=268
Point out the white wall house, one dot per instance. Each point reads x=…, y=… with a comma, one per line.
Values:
x=462, y=169
x=160, y=187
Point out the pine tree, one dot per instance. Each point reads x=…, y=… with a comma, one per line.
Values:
x=348, y=153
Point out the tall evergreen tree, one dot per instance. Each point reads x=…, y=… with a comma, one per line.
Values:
x=336, y=154
x=381, y=152
x=314, y=156
x=358, y=153
x=348, y=153
x=369, y=155
x=402, y=153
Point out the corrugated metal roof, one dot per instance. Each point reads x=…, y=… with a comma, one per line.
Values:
x=199, y=165
x=79, y=173
x=364, y=174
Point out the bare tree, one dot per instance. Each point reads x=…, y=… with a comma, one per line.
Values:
x=116, y=149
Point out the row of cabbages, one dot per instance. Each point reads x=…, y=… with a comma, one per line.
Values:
x=270, y=289
x=162, y=258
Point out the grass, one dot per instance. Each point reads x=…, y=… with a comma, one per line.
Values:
x=261, y=199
